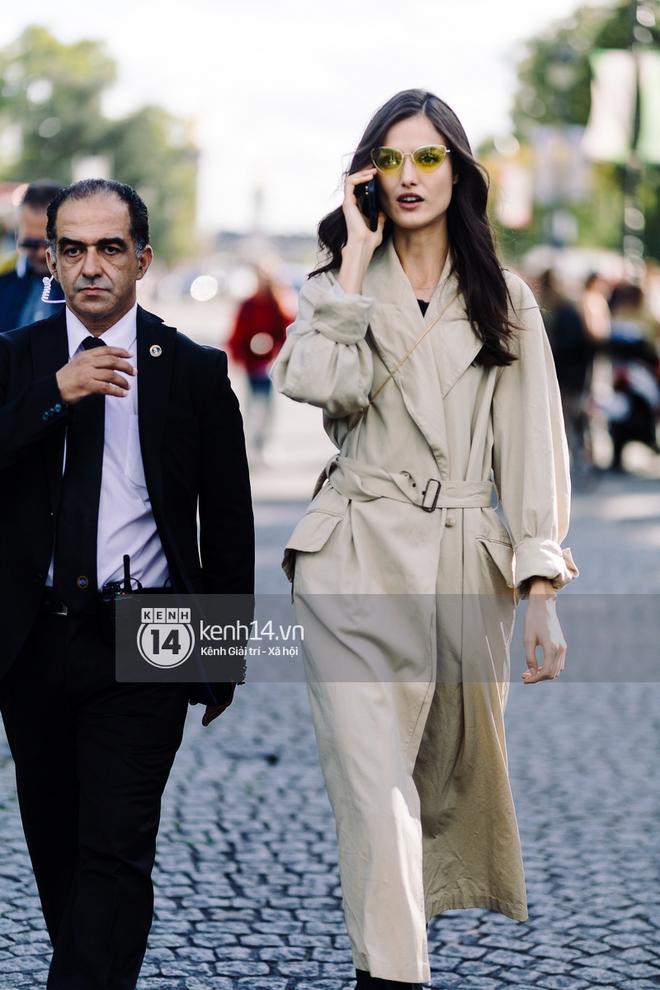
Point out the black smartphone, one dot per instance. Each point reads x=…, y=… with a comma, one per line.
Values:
x=369, y=203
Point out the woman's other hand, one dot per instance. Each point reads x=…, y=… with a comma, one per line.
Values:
x=361, y=242
x=542, y=629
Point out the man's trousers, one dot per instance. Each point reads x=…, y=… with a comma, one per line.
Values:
x=92, y=759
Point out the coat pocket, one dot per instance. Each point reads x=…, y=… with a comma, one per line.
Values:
x=502, y=555
x=316, y=526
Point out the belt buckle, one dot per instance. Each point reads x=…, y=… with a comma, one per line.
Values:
x=430, y=499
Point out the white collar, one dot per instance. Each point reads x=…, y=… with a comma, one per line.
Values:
x=122, y=334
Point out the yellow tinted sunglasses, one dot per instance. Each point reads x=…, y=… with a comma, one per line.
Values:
x=427, y=159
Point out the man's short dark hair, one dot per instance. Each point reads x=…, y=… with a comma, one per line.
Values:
x=137, y=211
x=39, y=194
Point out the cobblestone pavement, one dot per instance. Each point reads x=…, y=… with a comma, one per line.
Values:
x=247, y=887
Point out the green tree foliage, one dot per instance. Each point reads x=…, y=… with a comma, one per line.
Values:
x=555, y=88
x=153, y=152
x=555, y=76
x=50, y=113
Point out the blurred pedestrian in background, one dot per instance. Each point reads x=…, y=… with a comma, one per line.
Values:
x=258, y=335
x=410, y=339
x=595, y=309
x=633, y=408
x=21, y=285
x=631, y=317
x=651, y=287
x=573, y=351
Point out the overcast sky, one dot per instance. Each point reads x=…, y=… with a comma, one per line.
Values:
x=280, y=90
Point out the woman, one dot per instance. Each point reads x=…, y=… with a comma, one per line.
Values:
x=408, y=613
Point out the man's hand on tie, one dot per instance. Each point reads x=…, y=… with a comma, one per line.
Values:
x=96, y=370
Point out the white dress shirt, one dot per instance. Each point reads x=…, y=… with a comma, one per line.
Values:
x=126, y=521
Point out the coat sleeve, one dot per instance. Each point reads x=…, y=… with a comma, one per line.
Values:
x=26, y=419
x=530, y=451
x=326, y=360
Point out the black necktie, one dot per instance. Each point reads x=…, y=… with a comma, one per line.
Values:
x=74, y=572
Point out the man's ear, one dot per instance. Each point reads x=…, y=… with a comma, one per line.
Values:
x=144, y=261
x=50, y=261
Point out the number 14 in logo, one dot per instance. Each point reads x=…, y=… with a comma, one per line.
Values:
x=165, y=644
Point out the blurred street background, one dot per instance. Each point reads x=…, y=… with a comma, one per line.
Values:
x=239, y=157
x=234, y=122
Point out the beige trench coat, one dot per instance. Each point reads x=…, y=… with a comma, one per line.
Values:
x=409, y=715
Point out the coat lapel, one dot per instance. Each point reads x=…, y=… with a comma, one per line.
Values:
x=452, y=345
x=440, y=358
x=155, y=362
x=49, y=345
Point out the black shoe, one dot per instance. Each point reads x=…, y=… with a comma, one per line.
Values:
x=365, y=981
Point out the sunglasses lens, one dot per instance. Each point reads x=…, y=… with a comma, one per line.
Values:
x=387, y=159
x=429, y=158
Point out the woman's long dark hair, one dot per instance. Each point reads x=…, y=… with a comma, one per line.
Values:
x=474, y=259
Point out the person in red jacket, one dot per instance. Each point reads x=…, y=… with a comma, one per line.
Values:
x=259, y=332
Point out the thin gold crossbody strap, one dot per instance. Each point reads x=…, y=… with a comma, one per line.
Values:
x=401, y=363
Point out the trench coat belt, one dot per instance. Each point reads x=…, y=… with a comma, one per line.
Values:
x=364, y=482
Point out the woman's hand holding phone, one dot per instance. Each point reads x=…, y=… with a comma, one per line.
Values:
x=361, y=242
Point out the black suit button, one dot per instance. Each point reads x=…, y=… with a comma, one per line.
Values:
x=39, y=578
x=45, y=416
x=82, y=582
x=58, y=408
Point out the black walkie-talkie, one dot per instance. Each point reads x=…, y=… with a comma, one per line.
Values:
x=127, y=575
x=117, y=599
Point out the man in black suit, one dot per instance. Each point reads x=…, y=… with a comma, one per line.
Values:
x=96, y=461
x=22, y=277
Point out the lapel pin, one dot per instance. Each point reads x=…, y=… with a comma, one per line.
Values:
x=155, y=350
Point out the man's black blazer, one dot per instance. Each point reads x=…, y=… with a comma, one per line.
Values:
x=193, y=450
